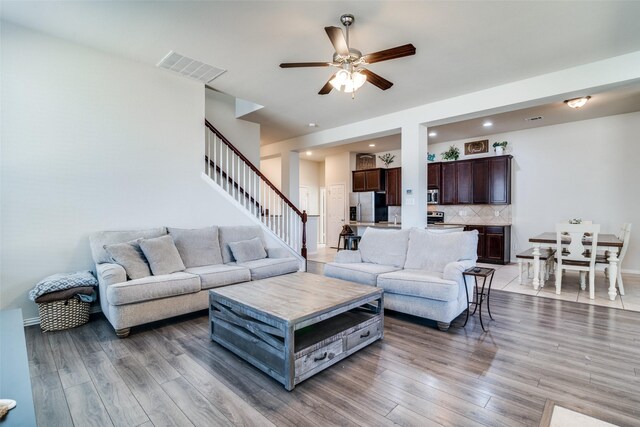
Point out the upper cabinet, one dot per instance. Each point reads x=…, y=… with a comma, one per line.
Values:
x=479, y=181
x=393, y=186
x=368, y=180
x=433, y=175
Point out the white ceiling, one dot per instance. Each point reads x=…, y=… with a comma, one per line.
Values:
x=461, y=46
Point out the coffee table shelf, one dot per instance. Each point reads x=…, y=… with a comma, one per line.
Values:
x=294, y=326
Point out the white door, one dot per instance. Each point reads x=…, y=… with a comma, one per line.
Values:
x=304, y=199
x=322, y=223
x=335, y=213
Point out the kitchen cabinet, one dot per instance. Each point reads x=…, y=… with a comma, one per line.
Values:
x=393, y=186
x=494, y=243
x=368, y=180
x=448, y=187
x=464, y=182
x=433, y=175
x=480, y=181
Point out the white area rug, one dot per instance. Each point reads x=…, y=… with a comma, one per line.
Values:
x=563, y=417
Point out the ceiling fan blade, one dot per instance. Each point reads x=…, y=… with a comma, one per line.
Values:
x=327, y=86
x=376, y=80
x=337, y=39
x=393, y=53
x=304, y=64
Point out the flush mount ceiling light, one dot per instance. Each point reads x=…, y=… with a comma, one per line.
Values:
x=313, y=125
x=487, y=124
x=372, y=145
x=309, y=153
x=433, y=133
x=577, y=102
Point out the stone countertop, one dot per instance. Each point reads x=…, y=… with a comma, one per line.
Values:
x=375, y=224
x=444, y=225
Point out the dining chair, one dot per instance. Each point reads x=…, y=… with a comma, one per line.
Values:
x=577, y=255
x=625, y=236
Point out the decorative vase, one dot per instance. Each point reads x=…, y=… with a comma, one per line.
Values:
x=499, y=151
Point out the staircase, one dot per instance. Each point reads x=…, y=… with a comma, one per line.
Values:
x=238, y=177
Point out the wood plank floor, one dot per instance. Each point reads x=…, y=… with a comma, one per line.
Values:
x=583, y=357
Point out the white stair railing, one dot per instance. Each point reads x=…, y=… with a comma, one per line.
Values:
x=244, y=182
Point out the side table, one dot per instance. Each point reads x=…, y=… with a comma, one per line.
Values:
x=480, y=293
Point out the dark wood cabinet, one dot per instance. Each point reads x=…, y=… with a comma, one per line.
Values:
x=393, y=186
x=448, y=187
x=433, y=175
x=480, y=181
x=464, y=182
x=494, y=243
x=500, y=180
x=368, y=180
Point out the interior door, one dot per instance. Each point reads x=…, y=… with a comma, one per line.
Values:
x=304, y=199
x=335, y=213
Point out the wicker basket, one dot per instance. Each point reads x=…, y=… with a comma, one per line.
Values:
x=65, y=314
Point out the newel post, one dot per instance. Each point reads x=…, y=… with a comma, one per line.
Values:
x=304, y=234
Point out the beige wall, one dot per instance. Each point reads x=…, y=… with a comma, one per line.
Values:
x=271, y=169
x=310, y=179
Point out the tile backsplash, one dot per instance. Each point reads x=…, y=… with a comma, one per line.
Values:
x=395, y=210
x=475, y=214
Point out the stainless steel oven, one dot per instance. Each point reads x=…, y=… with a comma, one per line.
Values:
x=433, y=196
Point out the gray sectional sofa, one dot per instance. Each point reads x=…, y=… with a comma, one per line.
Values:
x=204, y=260
x=420, y=271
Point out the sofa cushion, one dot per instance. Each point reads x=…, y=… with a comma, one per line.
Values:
x=387, y=247
x=360, y=272
x=236, y=234
x=248, y=250
x=197, y=247
x=130, y=257
x=269, y=267
x=153, y=287
x=98, y=240
x=162, y=255
x=212, y=276
x=433, y=251
x=419, y=283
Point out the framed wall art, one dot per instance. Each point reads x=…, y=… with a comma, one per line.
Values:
x=476, y=147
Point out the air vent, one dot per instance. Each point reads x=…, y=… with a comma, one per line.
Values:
x=189, y=67
x=533, y=119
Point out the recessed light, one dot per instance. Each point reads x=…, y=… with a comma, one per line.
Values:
x=313, y=125
x=309, y=153
x=433, y=133
x=372, y=145
x=577, y=102
x=487, y=124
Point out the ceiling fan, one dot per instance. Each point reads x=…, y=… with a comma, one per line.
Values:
x=351, y=62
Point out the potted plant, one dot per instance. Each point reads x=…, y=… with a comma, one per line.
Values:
x=451, y=154
x=500, y=147
x=387, y=159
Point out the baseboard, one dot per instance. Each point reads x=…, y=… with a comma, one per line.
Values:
x=36, y=320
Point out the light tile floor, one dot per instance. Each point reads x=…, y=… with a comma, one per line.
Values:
x=506, y=279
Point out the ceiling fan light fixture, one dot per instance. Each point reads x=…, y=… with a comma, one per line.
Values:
x=577, y=102
x=348, y=82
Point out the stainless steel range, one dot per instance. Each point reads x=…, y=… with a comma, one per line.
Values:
x=434, y=217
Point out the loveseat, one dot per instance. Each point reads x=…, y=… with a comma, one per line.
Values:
x=154, y=274
x=420, y=271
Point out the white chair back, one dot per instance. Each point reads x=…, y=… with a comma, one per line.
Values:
x=576, y=250
x=625, y=236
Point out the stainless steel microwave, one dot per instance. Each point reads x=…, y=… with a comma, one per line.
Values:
x=433, y=197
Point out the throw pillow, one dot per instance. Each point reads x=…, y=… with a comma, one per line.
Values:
x=385, y=247
x=130, y=257
x=248, y=250
x=162, y=255
x=197, y=247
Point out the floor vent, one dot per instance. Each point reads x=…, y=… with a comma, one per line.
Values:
x=189, y=67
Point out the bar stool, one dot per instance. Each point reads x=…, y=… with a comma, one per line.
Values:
x=346, y=231
x=351, y=242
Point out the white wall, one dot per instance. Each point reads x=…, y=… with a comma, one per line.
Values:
x=587, y=169
x=310, y=178
x=271, y=168
x=92, y=142
x=220, y=110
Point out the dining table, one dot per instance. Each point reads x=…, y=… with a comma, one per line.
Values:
x=610, y=243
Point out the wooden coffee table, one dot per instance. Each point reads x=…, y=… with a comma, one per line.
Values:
x=294, y=326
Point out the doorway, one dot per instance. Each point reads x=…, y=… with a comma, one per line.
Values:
x=335, y=213
x=322, y=223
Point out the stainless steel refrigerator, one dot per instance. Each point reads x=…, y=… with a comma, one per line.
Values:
x=367, y=206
